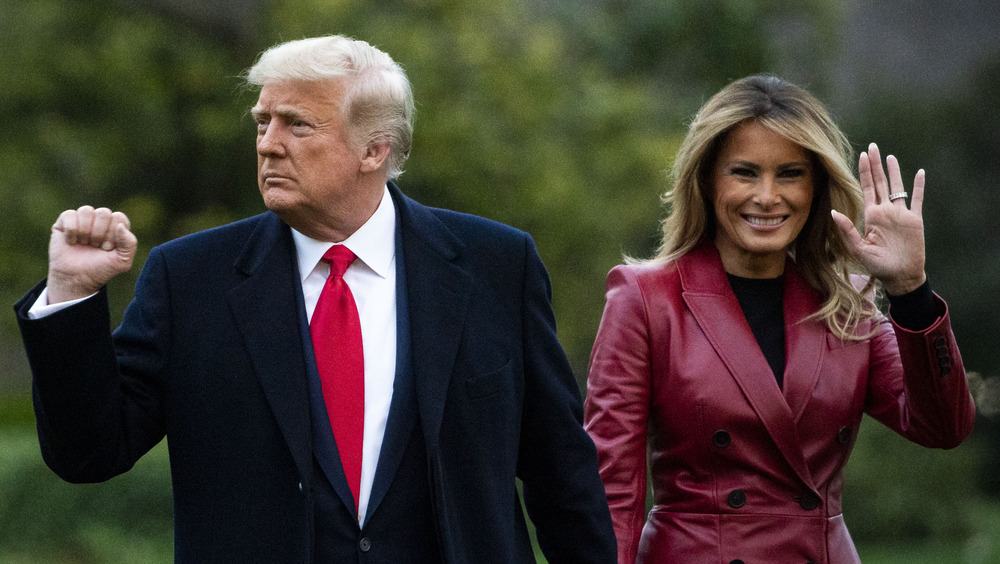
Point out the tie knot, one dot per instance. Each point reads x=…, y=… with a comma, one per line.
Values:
x=339, y=258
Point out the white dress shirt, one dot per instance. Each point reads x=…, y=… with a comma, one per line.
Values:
x=42, y=307
x=372, y=280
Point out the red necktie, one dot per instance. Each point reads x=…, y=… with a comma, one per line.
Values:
x=336, y=336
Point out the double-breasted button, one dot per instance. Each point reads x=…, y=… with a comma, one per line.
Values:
x=721, y=439
x=364, y=544
x=844, y=435
x=736, y=499
x=809, y=501
x=944, y=356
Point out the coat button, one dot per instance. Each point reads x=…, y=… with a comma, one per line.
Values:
x=364, y=544
x=736, y=499
x=940, y=343
x=721, y=439
x=808, y=501
x=844, y=435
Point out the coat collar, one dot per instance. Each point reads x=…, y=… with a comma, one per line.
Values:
x=438, y=291
x=264, y=308
x=710, y=298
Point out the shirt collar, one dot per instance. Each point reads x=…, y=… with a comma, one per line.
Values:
x=374, y=243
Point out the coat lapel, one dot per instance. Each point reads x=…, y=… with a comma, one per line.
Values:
x=717, y=311
x=805, y=343
x=437, y=294
x=403, y=409
x=265, y=309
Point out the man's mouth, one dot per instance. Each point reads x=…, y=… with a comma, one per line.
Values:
x=272, y=176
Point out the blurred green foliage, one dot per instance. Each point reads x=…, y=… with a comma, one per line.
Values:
x=916, y=486
x=126, y=520
x=560, y=118
x=905, y=503
x=108, y=106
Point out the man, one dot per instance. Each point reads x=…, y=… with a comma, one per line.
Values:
x=378, y=414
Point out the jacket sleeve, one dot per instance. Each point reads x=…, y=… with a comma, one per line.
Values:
x=557, y=462
x=616, y=410
x=97, y=397
x=917, y=384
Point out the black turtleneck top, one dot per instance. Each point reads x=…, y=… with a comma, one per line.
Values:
x=762, y=302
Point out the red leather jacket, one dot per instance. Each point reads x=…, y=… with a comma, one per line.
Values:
x=742, y=471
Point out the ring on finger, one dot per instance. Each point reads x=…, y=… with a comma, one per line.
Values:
x=898, y=195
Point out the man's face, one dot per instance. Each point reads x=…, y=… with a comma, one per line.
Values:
x=308, y=170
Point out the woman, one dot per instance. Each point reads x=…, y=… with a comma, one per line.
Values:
x=744, y=354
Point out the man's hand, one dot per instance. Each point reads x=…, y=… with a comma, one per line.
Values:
x=88, y=247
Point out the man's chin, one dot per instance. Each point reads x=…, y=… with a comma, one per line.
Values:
x=276, y=199
x=279, y=206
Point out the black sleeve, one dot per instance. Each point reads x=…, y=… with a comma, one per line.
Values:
x=914, y=310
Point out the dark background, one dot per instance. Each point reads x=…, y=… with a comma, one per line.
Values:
x=560, y=117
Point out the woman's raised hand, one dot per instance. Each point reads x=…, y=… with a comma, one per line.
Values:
x=892, y=249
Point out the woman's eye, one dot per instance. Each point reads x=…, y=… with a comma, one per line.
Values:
x=741, y=171
x=792, y=173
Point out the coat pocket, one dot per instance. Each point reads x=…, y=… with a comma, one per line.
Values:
x=489, y=384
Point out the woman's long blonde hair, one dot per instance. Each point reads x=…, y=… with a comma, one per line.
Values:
x=819, y=252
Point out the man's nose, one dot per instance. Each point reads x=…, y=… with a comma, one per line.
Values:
x=270, y=142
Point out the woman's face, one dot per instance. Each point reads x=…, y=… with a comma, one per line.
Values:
x=762, y=193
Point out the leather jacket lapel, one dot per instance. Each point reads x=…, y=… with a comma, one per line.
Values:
x=711, y=300
x=805, y=342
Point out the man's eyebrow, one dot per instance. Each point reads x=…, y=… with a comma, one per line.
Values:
x=287, y=112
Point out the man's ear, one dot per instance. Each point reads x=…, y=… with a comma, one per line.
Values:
x=375, y=157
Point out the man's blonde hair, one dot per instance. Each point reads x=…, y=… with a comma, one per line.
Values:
x=378, y=100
